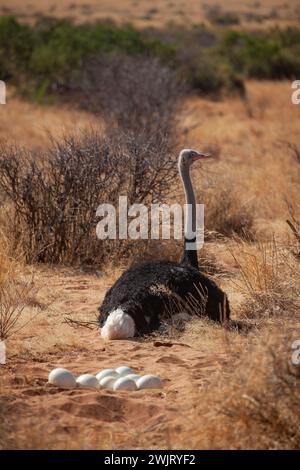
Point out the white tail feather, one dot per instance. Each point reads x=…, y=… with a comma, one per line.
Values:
x=119, y=325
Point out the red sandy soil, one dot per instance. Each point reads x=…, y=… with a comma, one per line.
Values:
x=53, y=418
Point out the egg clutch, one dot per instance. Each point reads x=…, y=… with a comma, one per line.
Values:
x=122, y=378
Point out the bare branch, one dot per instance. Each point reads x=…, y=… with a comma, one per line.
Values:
x=78, y=323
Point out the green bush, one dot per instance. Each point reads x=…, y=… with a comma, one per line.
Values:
x=43, y=59
x=272, y=55
x=16, y=44
x=51, y=50
x=205, y=74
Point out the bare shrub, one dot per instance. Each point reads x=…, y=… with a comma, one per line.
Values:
x=50, y=196
x=135, y=93
x=7, y=264
x=55, y=193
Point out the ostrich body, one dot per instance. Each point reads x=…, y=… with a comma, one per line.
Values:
x=148, y=293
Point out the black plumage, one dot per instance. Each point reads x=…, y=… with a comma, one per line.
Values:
x=152, y=291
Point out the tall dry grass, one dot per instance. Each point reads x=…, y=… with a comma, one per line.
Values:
x=254, y=403
x=6, y=262
x=17, y=291
x=268, y=278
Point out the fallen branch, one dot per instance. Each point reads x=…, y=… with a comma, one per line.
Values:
x=79, y=323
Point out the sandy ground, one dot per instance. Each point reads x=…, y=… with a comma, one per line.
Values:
x=143, y=13
x=51, y=417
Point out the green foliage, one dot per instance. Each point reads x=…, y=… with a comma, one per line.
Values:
x=205, y=75
x=44, y=58
x=16, y=44
x=272, y=55
x=61, y=45
x=51, y=50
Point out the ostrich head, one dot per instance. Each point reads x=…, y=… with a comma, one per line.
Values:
x=189, y=156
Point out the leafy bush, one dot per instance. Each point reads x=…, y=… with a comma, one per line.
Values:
x=16, y=43
x=44, y=58
x=272, y=55
x=198, y=62
x=50, y=51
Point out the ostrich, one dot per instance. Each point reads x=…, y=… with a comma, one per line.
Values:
x=147, y=293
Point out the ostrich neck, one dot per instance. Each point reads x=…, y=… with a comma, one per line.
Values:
x=189, y=255
x=190, y=220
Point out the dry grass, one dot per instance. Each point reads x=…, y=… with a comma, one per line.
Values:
x=32, y=123
x=253, y=401
x=8, y=265
x=139, y=12
x=253, y=405
x=268, y=278
x=254, y=161
x=15, y=295
x=18, y=304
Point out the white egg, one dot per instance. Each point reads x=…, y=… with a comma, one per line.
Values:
x=149, y=381
x=108, y=382
x=134, y=377
x=87, y=381
x=124, y=370
x=105, y=373
x=62, y=378
x=123, y=383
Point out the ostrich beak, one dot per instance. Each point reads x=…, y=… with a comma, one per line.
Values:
x=202, y=156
